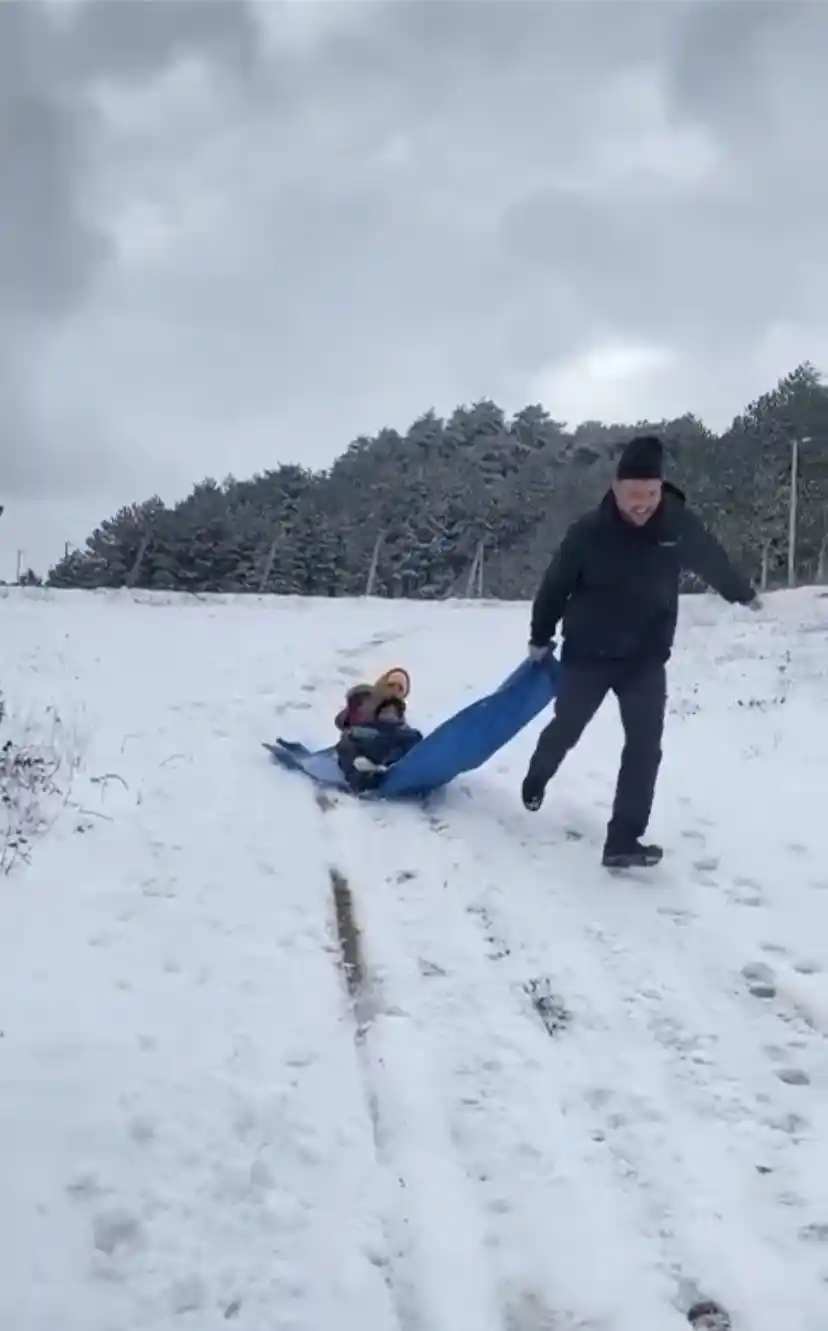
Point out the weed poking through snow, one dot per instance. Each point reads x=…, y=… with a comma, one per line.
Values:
x=30, y=793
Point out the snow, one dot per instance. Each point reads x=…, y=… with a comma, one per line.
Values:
x=538, y=1097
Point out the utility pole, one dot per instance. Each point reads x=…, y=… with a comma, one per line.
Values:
x=793, y=505
x=268, y=565
x=20, y=555
x=473, y=582
x=371, y=581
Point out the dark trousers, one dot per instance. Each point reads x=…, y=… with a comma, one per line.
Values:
x=641, y=690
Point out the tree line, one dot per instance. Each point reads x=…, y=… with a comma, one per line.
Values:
x=470, y=504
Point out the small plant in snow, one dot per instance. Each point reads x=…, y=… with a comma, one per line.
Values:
x=780, y=693
x=34, y=779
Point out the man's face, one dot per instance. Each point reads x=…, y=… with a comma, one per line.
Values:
x=637, y=500
x=395, y=682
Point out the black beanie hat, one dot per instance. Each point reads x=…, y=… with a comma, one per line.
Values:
x=642, y=459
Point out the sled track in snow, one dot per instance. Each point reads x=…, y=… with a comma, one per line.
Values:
x=350, y=942
x=364, y=1012
x=483, y=1113
x=432, y=1270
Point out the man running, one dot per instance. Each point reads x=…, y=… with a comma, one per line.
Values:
x=614, y=584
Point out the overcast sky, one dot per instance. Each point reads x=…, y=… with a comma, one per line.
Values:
x=233, y=234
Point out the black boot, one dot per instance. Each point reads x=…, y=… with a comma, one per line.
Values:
x=631, y=855
x=532, y=792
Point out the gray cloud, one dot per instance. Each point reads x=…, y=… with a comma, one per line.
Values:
x=128, y=40
x=52, y=247
x=240, y=234
x=47, y=249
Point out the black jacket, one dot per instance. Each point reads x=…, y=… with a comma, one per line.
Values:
x=381, y=742
x=616, y=586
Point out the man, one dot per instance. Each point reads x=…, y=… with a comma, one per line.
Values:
x=615, y=585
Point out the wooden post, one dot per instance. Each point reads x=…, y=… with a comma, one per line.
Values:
x=268, y=565
x=372, y=571
x=792, y=512
x=135, y=572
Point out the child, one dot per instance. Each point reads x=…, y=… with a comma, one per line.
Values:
x=367, y=749
x=359, y=706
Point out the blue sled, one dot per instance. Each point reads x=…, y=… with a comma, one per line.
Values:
x=464, y=742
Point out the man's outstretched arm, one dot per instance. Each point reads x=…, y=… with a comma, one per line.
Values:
x=703, y=554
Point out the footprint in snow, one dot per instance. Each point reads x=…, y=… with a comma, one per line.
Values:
x=792, y=1124
x=85, y=1186
x=776, y=949
x=707, y=864
x=793, y=1077
x=815, y=1232
x=744, y=880
x=707, y=1315
x=790, y=1199
x=775, y=1053
x=429, y=968
x=761, y=979
x=549, y=1005
x=115, y=1230
x=525, y=1310
x=746, y=900
x=677, y=914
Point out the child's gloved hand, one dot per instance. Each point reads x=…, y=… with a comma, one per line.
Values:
x=363, y=764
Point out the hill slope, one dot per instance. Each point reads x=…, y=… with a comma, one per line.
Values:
x=547, y=1098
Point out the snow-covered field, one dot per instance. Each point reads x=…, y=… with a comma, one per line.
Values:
x=538, y=1098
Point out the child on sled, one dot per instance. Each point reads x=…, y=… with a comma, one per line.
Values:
x=374, y=743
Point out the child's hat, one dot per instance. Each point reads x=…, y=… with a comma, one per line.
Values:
x=359, y=691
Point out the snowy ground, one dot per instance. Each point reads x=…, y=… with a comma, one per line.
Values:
x=548, y=1099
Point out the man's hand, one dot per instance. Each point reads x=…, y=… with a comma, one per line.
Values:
x=539, y=654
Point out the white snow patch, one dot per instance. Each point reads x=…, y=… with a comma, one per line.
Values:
x=196, y=1129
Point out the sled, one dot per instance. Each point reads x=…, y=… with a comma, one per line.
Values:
x=461, y=744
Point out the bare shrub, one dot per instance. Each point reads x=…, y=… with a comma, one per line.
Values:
x=37, y=765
